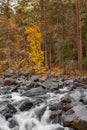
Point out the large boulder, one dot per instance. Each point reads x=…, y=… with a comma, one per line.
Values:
x=75, y=95
x=25, y=105
x=51, y=85
x=76, y=117
x=35, y=92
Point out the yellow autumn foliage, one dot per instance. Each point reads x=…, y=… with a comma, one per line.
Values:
x=36, y=55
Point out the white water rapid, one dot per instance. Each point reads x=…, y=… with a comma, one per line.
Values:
x=33, y=119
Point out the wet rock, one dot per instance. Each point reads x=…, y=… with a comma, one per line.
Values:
x=8, y=96
x=59, y=128
x=8, y=74
x=12, y=123
x=15, y=89
x=66, y=99
x=25, y=105
x=56, y=109
x=76, y=117
x=68, y=128
x=43, y=78
x=35, y=78
x=8, y=111
x=75, y=95
x=56, y=106
x=51, y=85
x=84, y=96
x=58, y=112
x=67, y=106
x=60, y=84
x=38, y=101
x=30, y=84
x=68, y=82
x=83, y=79
x=39, y=112
x=9, y=81
x=55, y=119
x=1, y=81
x=3, y=103
x=35, y=92
x=24, y=73
x=78, y=85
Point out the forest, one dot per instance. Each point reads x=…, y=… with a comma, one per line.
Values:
x=43, y=35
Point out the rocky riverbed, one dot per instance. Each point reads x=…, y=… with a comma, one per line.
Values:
x=37, y=102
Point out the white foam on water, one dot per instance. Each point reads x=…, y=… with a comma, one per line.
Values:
x=17, y=97
x=55, y=97
x=29, y=120
x=3, y=124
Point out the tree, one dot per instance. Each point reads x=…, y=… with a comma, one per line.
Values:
x=79, y=35
x=36, y=55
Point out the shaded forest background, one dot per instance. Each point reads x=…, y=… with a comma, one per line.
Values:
x=43, y=35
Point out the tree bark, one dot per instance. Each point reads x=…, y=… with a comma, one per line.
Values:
x=44, y=30
x=85, y=1
x=79, y=35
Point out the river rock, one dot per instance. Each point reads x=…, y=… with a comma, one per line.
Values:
x=8, y=111
x=68, y=82
x=59, y=128
x=12, y=123
x=30, y=84
x=68, y=128
x=56, y=106
x=1, y=81
x=76, y=117
x=9, y=81
x=15, y=88
x=39, y=112
x=67, y=106
x=66, y=99
x=75, y=95
x=35, y=78
x=24, y=73
x=35, y=92
x=8, y=74
x=25, y=105
x=84, y=97
x=51, y=85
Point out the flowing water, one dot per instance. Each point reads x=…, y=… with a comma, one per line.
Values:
x=33, y=119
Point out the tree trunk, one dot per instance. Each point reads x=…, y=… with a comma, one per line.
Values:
x=79, y=35
x=42, y=16
x=44, y=30
x=85, y=1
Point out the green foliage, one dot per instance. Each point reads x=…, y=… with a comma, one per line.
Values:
x=66, y=53
x=84, y=62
